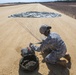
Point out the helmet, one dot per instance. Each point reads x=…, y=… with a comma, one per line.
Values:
x=27, y=51
x=44, y=28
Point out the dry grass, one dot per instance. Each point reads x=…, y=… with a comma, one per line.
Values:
x=13, y=37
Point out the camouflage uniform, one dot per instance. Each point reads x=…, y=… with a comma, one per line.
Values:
x=56, y=44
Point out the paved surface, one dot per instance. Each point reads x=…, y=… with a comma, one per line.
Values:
x=14, y=35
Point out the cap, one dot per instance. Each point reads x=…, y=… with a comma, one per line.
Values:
x=43, y=28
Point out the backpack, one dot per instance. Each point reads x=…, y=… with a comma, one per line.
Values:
x=29, y=61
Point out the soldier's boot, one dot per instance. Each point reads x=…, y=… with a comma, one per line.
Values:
x=62, y=63
x=67, y=56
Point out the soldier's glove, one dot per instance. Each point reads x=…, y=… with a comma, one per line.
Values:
x=32, y=46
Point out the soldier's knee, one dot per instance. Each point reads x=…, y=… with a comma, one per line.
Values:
x=50, y=60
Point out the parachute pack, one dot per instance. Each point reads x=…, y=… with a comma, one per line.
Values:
x=29, y=61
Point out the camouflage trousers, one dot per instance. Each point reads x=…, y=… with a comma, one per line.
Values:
x=55, y=55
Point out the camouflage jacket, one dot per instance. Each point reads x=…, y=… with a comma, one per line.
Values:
x=53, y=42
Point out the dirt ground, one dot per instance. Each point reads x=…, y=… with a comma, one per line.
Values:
x=68, y=8
x=13, y=37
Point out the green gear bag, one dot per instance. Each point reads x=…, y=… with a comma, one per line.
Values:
x=29, y=63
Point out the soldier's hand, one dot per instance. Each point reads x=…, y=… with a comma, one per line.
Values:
x=30, y=44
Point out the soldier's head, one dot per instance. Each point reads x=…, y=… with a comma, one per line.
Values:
x=45, y=29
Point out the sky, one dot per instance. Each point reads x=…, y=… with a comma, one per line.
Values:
x=6, y=1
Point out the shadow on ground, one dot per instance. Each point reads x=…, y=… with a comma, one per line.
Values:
x=55, y=69
x=21, y=72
